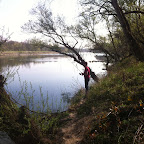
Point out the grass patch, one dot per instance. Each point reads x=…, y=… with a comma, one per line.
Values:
x=24, y=126
x=117, y=103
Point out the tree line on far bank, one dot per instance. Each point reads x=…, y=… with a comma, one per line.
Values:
x=29, y=45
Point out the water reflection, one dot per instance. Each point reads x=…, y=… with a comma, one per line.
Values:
x=53, y=80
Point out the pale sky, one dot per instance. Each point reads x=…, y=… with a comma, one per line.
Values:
x=15, y=13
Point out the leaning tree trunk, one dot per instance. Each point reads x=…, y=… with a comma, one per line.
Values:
x=134, y=46
x=77, y=58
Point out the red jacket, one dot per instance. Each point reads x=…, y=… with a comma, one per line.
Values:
x=87, y=72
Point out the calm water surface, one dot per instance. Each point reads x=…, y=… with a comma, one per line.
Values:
x=46, y=81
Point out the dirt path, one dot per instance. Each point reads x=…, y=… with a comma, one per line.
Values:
x=73, y=131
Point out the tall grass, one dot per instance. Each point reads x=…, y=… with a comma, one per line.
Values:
x=38, y=117
x=117, y=104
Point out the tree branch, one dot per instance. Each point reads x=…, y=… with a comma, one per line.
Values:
x=130, y=12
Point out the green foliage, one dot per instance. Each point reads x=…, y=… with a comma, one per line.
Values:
x=25, y=126
x=117, y=104
x=77, y=97
x=51, y=125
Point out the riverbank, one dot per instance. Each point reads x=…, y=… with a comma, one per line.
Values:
x=25, y=53
x=112, y=113
x=113, y=110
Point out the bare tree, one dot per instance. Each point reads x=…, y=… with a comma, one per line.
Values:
x=86, y=29
x=55, y=29
x=118, y=11
x=4, y=36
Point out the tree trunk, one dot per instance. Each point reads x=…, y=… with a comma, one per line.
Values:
x=77, y=58
x=134, y=46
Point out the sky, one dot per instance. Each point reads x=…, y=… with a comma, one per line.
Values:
x=15, y=13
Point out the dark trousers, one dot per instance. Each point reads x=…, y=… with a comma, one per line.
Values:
x=86, y=83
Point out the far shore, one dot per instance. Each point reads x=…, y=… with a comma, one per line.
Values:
x=24, y=53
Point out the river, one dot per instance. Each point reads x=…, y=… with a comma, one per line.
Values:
x=46, y=82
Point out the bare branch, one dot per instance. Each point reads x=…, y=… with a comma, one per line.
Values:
x=4, y=36
x=136, y=12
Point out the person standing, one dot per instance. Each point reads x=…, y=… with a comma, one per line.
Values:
x=86, y=74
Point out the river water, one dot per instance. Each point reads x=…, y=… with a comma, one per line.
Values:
x=46, y=82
